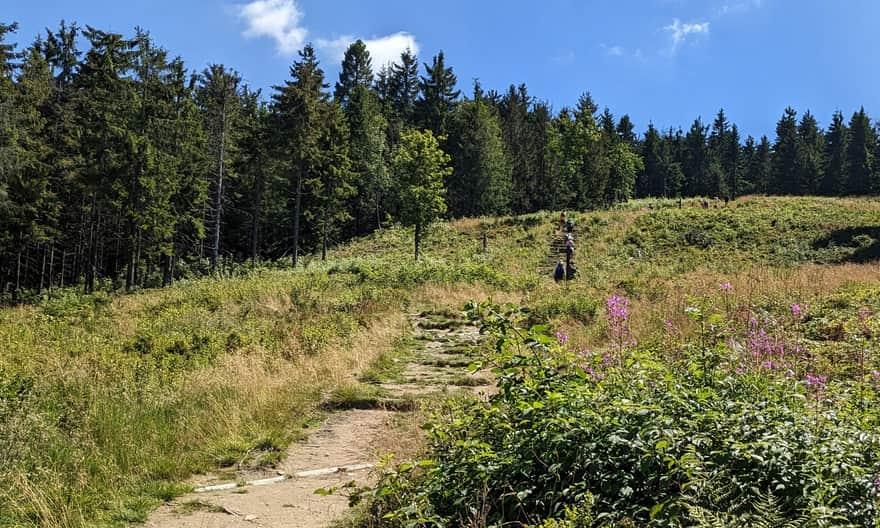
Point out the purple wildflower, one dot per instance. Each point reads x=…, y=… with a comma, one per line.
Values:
x=725, y=286
x=562, y=337
x=816, y=381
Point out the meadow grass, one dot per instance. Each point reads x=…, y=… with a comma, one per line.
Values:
x=109, y=402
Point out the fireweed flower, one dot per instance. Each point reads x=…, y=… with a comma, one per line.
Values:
x=816, y=382
x=562, y=337
x=797, y=310
x=725, y=287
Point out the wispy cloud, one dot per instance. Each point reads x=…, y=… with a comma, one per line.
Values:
x=613, y=51
x=275, y=19
x=731, y=7
x=383, y=50
x=681, y=32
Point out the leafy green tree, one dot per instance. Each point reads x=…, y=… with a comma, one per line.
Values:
x=480, y=183
x=860, y=154
x=438, y=96
x=420, y=167
x=810, y=155
x=568, y=142
x=297, y=110
x=784, y=179
x=834, y=174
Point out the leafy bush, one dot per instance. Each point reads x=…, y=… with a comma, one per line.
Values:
x=642, y=439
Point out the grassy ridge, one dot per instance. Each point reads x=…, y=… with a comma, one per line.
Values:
x=107, y=403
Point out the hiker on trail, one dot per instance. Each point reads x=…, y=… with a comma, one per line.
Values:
x=562, y=218
x=569, y=225
x=570, y=271
x=559, y=272
x=569, y=248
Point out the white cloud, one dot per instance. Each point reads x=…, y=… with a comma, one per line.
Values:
x=383, y=50
x=681, y=32
x=738, y=6
x=613, y=51
x=276, y=19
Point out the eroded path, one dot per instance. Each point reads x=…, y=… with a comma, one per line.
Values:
x=344, y=447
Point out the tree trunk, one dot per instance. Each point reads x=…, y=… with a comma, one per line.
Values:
x=255, y=216
x=90, y=265
x=296, y=211
x=17, y=277
x=51, y=265
x=167, y=259
x=218, y=193
x=378, y=215
x=43, y=272
x=63, y=265
x=129, y=270
x=324, y=237
x=418, y=238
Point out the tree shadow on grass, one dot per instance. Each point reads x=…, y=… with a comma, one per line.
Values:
x=863, y=243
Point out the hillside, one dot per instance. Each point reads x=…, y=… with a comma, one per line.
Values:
x=110, y=402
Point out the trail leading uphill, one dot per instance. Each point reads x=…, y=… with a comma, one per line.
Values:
x=343, y=449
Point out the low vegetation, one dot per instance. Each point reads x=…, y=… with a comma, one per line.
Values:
x=665, y=417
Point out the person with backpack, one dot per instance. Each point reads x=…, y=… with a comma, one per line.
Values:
x=559, y=272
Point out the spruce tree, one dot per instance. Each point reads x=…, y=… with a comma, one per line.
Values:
x=810, y=155
x=480, y=183
x=784, y=179
x=297, y=111
x=860, y=154
x=695, y=160
x=218, y=96
x=732, y=163
x=356, y=71
x=438, y=97
x=520, y=143
x=834, y=176
x=761, y=168
x=330, y=174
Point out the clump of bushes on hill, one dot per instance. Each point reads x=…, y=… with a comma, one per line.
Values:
x=740, y=423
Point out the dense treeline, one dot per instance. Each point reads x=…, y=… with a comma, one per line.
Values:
x=120, y=165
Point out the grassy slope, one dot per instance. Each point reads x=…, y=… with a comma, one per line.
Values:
x=108, y=402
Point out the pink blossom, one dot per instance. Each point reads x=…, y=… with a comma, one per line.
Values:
x=796, y=310
x=562, y=337
x=725, y=286
x=816, y=381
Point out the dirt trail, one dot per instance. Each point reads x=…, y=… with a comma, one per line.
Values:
x=351, y=440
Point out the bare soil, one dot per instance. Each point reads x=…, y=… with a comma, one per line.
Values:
x=347, y=438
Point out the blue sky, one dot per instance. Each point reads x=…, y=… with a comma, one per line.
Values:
x=664, y=61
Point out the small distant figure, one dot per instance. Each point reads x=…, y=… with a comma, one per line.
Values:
x=569, y=248
x=569, y=225
x=562, y=219
x=559, y=272
x=704, y=204
x=570, y=271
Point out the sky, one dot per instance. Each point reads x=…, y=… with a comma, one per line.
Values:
x=660, y=61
